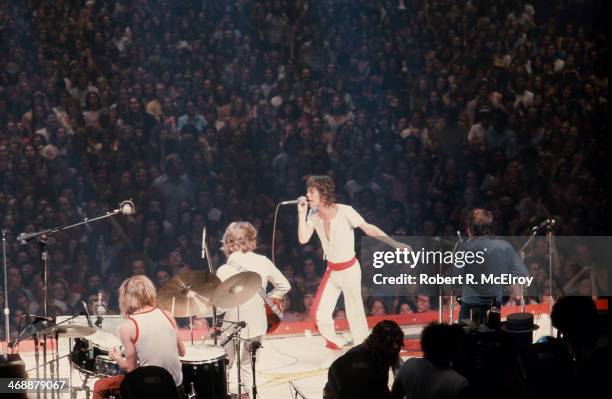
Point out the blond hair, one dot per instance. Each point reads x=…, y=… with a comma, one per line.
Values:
x=135, y=293
x=239, y=236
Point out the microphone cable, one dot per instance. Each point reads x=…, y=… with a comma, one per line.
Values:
x=274, y=233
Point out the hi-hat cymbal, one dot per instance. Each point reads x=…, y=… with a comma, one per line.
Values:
x=69, y=331
x=237, y=289
x=188, y=294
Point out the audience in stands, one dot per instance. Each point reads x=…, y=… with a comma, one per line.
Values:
x=203, y=115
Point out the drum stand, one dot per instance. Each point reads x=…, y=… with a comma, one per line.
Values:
x=36, y=359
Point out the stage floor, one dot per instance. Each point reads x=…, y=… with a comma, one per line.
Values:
x=299, y=361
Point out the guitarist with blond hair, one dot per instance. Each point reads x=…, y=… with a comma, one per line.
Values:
x=239, y=242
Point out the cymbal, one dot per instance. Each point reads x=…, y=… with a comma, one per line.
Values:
x=191, y=292
x=69, y=331
x=237, y=290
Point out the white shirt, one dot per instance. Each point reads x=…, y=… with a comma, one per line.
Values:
x=340, y=247
x=253, y=311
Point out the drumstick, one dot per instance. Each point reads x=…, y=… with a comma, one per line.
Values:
x=173, y=298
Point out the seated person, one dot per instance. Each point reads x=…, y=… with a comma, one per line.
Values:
x=432, y=377
x=363, y=372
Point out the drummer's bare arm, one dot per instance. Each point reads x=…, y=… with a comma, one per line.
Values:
x=179, y=343
x=127, y=332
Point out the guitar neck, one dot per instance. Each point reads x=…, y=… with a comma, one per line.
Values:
x=268, y=301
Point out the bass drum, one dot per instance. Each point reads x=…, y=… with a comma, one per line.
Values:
x=83, y=356
x=86, y=350
x=204, y=371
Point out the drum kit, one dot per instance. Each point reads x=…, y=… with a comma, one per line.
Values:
x=188, y=294
x=192, y=293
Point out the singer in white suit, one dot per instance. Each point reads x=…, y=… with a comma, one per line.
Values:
x=239, y=242
x=335, y=225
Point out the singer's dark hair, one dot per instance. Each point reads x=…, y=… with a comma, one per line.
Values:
x=325, y=186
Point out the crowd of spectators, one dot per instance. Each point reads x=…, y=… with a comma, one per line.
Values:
x=207, y=112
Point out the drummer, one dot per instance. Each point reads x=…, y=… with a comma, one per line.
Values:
x=239, y=242
x=148, y=335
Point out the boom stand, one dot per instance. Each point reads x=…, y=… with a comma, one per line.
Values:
x=125, y=208
x=522, y=253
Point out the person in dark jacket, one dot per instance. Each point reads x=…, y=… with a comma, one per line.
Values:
x=363, y=372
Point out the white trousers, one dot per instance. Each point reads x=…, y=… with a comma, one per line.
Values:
x=347, y=282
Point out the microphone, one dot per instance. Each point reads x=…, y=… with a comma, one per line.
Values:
x=216, y=329
x=227, y=339
x=89, y=323
x=37, y=318
x=99, y=308
x=255, y=344
x=237, y=325
x=23, y=237
x=126, y=208
x=544, y=223
x=203, y=242
x=292, y=202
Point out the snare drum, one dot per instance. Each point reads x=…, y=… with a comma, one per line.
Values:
x=86, y=350
x=107, y=367
x=204, y=371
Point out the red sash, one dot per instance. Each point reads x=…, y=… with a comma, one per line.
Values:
x=341, y=265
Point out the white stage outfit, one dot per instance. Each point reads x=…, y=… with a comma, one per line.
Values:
x=343, y=275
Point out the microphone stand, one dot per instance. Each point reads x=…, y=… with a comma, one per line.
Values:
x=125, y=207
x=43, y=241
x=206, y=254
x=235, y=336
x=6, y=308
x=549, y=236
x=534, y=232
x=297, y=392
x=451, y=301
x=254, y=346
